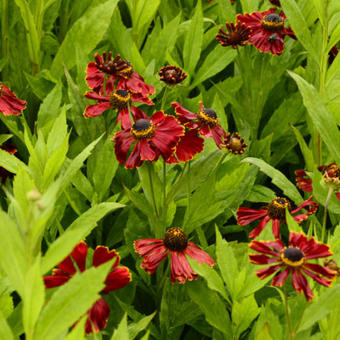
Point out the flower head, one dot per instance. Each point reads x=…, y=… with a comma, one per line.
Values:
x=275, y=211
x=9, y=103
x=118, y=278
x=149, y=138
x=171, y=75
x=238, y=34
x=175, y=243
x=11, y=149
x=294, y=260
x=302, y=181
x=234, y=143
x=205, y=121
x=118, y=99
x=267, y=30
x=109, y=70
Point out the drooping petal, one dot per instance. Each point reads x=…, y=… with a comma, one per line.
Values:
x=318, y=278
x=300, y=284
x=55, y=280
x=280, y=278
x=262, y=259
x=79, y=255
x=267, y=247
x=103, y=254
x=9, y=103
x=248, y=215
x=219, y=135
x=276, y=227
x=257, y=231
x=180, y=268
x=123, y=141
x=97, y=318
x=265, y=272
x=197, y=254
x=118, y=278
x=134, y=159
x=183, y=114
x=146, y=152
x=96, y=109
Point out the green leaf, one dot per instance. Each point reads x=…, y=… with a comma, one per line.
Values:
x=243, y=313
x=306, y=152
x=211, y=305
x=12, y=253
x=213, y=64
x=10, y=162
x=139, y=326
x=213, y=279
x=49, y=107
x=320, y=308
x=5, y=330
x=278, y=178
x=121, y=333
x=77, y=231
x=77, y=332
x=86, y=33
x=298, y=24
x=34, y=296
x=4, y=138
x=321, y=117
x=71, y=301
x=193, y=40
x=292, y=224
x=260, y=193
x=226, y=261
x=335, y=37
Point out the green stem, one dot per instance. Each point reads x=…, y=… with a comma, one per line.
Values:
x=201, y=237
x=152, y=190
x=188, y=188
x=165, y=206
x=330, y=191
x=176, y=185
x=300, y=319
x=165, y=94
x=291, y=335
x=5, y=38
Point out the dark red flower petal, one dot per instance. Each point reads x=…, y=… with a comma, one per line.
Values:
x=300, y=284
x=79, y=256
x=262, y=259
x=267, y=247
x=257, y=231
x=280, y=278
x=248, y=215
x=103, y=254
x=265, y=272
x=55, y=280
x=180, y=268
x=97, y=318
x=118, y=278
x=9, y=103
x=197, y=254
x=183, y=114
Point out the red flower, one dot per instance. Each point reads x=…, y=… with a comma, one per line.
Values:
x=276, y=212
x=235, y=144
x=171, y=75
x=175, y=242
x=293, y=259
x=205, y=121
x=267, y=30
x=118, y=100
x=188, y=146
x=331, y=177
x=237, y=35
x=119, y=277
x=150, y=137
x=115, y=69
x=9, y=103
x=11, y=149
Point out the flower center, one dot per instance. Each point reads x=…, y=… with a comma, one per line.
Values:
x=109, y=65
x=272, y=22
x=292, y=257
x=175, y=239
x=127, y=71
x=234, y=37
x=142, y=129
x=208, y=116
x=120, y=99
x=277, y=208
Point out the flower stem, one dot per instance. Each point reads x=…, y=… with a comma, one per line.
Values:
x=176, y=185
x=165, y=206
x=291, y=334
x=330, y=191
x=188, y=189
x=165, y=94
x=152, y=190
x=300, y=319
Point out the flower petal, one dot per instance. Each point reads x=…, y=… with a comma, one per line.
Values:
x=180, y=268
x=257, y=231
x=118, y=278
x=97, y=318
x=248, y=215
x=199, y=255
x=102, y=254
x=280, y=278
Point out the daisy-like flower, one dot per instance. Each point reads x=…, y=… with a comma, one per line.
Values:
x=331, y=177
x=276, y=212
x=118, y=100
x=205, y=121
x=267, y=30
x=118, y=278
x=294, y=260
x=235, y=144
x=175, y=243
x=187, y=147
x=148, y=138
x=9, y=103
x=171, y=75
x=11, y=149
x=115, y=69
x=238, y=34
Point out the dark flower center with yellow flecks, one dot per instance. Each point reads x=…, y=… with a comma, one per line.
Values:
x=277, y=208
x=208, y=116
x=235, y=143
x=175, y=239
x=292, y=257
x=127, y=71
x=120, y=99
x=272, y=22
x=143, y=129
